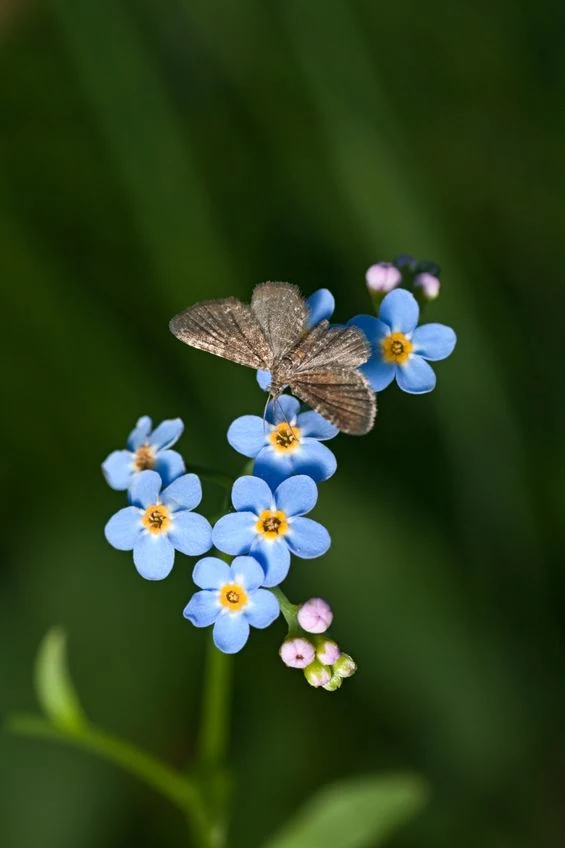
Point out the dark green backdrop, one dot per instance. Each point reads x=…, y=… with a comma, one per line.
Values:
x=158, y=152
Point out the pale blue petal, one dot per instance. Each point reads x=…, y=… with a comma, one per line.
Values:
x=400, y=311
x=203, y=609
x=274, y=558
x=211, y=573
x=169, y=465
x=380, y=374
x=235, y=533
x=285, y=408
x=248, y=434
x=231, y=632
x=118, y=469
x=153, y=556
x=307, y=539
x=123, y=528
x=434, y=341
x=297, y=495
x=183, y=493
x=264, y=379
x=321, y=305
x=144, y=489
x=262, y=610
x=246, y=571
x=373, y=329
x=315, y=460
x=274, y=467
x=167, y=433
x=313, y=425
x=138, y=435
x=416, y=377
x=190, y=533
x=251, y=494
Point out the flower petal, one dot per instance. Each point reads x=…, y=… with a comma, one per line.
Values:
x=144, y=488
x=297, y=495
x=138, y=435
x=262, y=609
x=274, y=558
x=273, y=467
x=211, y=573
x=251, y=494
x=153, y=556
x=118, y=469
x=231, y=632
x=246, y=571
x=321, y=305
x=400, y=311
x=235, y=533
x=284, y=408
x=416, y=377
x=434, y=341
x=314, y=426
x=248, y=434
x=264, y=379
x=380, y=374
x=169, y=466
x=307, y=539
x=373, y=329
x=190, y=533
x=315, y=460
x=123, y=528
x=203, y=609
x=183, y=493
x=167, y=433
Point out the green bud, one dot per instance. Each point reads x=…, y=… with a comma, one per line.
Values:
x=317, y=674
x=334, y=683
x=345, y=666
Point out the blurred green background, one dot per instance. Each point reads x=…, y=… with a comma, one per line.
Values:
x=158, y=152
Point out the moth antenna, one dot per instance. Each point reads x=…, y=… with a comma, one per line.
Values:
x=269, y=398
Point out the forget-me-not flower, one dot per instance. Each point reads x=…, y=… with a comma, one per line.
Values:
x=321, y=305
x=231, y=599
x=159, y=522
x=271, y=525
x=400, y=348
x=146, y=449
x=288, y=442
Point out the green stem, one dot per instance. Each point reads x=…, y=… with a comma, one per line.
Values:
x=216, y=702
x=224, y=480
x=180, y=790
x=288, y=609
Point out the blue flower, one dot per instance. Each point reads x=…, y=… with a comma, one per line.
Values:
x=270, y=525
x=159, y=522
x=287, y=443
x=231, y=600
x=146, y=450
x=400, y=348
x=321, y=305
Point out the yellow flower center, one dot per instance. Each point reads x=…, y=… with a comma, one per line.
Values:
x=233, y=597
x=396, y=348
x=272, y=524
x=144, y=458
x=285, y=438
x=156, y=518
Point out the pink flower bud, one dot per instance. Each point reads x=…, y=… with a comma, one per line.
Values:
x=383, y=277
x=427, y=285
x=317, y=674
x=297, y=653
x=315, y=616
x=328, y=652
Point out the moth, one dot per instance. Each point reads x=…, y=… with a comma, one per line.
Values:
x=318, y=365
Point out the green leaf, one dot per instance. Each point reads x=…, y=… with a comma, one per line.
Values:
x=53, y=685
x=358, y=813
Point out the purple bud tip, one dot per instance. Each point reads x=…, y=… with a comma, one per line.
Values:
x=427, y=284
x=315, y=616
x=383, y=277
x=328, y=652
x=297, y=653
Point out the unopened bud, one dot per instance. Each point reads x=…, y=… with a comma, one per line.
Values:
x=317, y=674
x=297, y=653
x=426, y=285
x=404, y=260
x=345, y=666
x=315, y=616
x=383, y=277
x=327, y=651
x=334, y=683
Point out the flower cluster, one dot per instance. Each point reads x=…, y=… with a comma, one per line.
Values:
x=420, y=276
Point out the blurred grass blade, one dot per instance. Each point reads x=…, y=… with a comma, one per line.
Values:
x=53, y=684
x=358, y=813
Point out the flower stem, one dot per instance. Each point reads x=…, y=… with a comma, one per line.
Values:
x=213, y=476
x=288, y=609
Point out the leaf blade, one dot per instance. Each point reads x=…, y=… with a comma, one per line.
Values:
x=53, y=685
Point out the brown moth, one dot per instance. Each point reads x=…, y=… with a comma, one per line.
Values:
x=318, y=365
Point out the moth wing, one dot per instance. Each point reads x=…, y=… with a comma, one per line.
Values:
x=342, y=396
x=282, y=313
x=331, y=347
x=226, y=328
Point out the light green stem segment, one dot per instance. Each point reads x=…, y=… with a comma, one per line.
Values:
x=216, y=703
x=288, y=609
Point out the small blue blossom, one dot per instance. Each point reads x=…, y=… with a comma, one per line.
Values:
x=270, y=525
x=231, y=600
x=159, y=522
x=286, y=443
x=146, y=450
x=400, y=348
x=321, y=305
